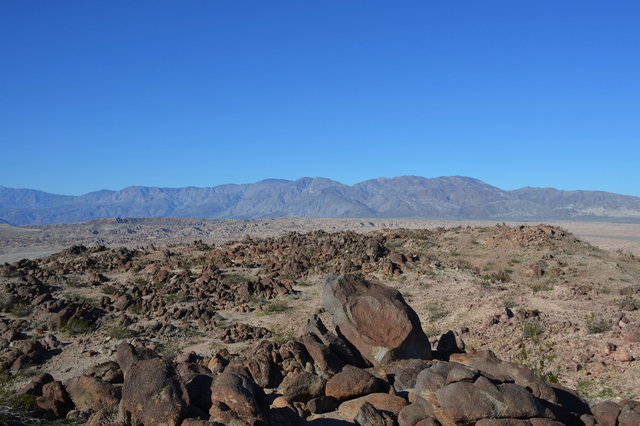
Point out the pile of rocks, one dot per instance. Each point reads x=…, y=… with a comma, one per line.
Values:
x=377, y=368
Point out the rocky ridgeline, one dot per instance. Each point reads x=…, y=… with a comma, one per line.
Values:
x=376, y=368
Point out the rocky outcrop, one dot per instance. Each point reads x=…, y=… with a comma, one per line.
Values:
x=375, y=319
x=374, y=367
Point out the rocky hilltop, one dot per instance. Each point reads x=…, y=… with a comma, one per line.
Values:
x=451, y=198
x=502, y=325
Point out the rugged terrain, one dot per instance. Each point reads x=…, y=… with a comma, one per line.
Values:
x=237, y=314
x=452, y=197
x=36, y=241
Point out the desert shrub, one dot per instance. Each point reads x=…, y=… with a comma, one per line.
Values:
x=168, y=349
x=544, y=286
x=117, y=331
x=509, y=303
x=140, y=281
x=135, y=309
x=108, y=289
x=77, y=327
x=21, y=309
x=178, y=297
x=597, y=324
x=75, y=282
x=539, y=357
x=532, y=329
x=14, y=410
x=277, y=306
x=497, y=277
x=436, y=311
x=591, y=390
x=234, y=278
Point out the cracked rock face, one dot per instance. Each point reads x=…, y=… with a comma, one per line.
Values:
x=375, y=319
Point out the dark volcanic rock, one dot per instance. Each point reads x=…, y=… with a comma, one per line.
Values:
x=236, y=399
x=375, y=319
x=153, y=394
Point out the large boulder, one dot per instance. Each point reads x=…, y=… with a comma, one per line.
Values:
x=55, y=399
x=466, y=402
x=153, y=394
x=375, y=319
x=127, y=354
x=89, y=393
x=236, y=399
x=353, y=382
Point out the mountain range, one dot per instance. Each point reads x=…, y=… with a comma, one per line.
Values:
x=451, y=197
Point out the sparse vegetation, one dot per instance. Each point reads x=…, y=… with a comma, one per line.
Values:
x=75, y=282
x=118, y=331
x=436, y=311
x=597, y=324
x=140, y=281
x=277, y=306
x=532, y=329
x=541, y=286
x=509, y=303
x=234, y=278
x=77, y=327
x=108, y=289
x=21, y=309
x=178, y=297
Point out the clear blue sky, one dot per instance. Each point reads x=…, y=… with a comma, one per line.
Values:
x=106, y=94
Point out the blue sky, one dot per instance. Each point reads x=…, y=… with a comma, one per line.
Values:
x=106, y=94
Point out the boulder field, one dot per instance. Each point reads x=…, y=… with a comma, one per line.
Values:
x=374, y=366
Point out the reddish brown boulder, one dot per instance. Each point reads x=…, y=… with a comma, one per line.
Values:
x=89, y=393
x=236, y=399
x=375, y=319
x=381, y=401
x=127, y=354
x=303, y=387
x=466, y=402
x=153, y=394
x=353, y=382
x=368, y=415
x=55, y=399
x=606, y=413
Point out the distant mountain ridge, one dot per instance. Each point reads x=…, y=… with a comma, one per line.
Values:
x=451, y=197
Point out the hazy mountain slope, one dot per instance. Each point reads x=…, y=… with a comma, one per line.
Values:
x=452, y=197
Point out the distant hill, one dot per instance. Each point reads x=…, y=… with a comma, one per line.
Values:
x=452, y=198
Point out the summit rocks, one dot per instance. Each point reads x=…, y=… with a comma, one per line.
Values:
x=375, y=319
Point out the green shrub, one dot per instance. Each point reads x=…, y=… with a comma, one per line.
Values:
x=436, y=311
x=108, y=289
x=75, y=282
x=540, y=358
x=509, y=303
x=596, y=324
x=21, y=309
x=545, y=286
x=120, y=332
x=178, y=297
x=532, y=329
x=140, y=281
x=77, y=327
x=234, y=278
x=275, y=307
